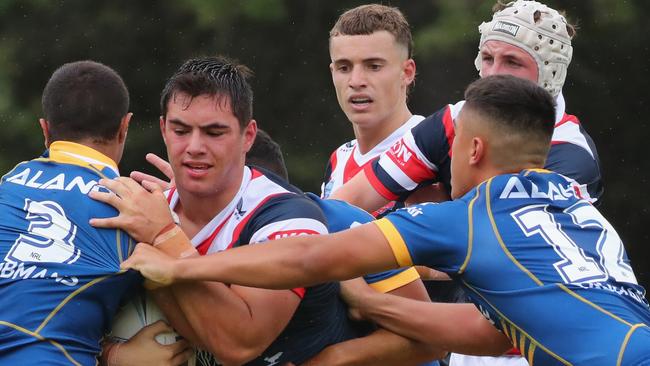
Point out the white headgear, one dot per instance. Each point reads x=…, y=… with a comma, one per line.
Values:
x=547, y=40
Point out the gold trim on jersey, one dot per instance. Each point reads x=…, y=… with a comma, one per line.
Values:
x=470, y=230
x=77, y=154
x=627, y=339
x=67, y=299
x=495, y=229
x=396, y=242
x=42, y=339
x=512, y=327
x=536, y=170
x=394, y=282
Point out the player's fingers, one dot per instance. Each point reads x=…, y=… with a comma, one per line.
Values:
x=152, y=187
x=109, y=222
x=115, y=185
x=106, y=197
x=182, y=357
x=161, y=164
x=157, y=328
x=140, y=177
x=130, y=184
x=178, y=346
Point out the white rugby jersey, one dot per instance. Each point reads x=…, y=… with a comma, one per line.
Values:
x=346, y=161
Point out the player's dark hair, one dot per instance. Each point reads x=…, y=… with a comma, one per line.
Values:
x=84, y=99
x=367, y=19
x=217, y=77
x=267, y=154
x=516, y=105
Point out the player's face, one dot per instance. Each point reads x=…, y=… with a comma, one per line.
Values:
x=205, y=144
x=500, y=58
x=371, y=74
x=461, y=151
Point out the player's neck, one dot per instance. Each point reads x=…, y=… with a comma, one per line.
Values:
x=196, y=211
x=370, y=136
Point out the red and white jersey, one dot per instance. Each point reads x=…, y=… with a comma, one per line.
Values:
x=346, y=161
x=265, y=209
x=261, y=210
x=423, y=155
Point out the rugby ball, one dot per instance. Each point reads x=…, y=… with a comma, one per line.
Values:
x=137, y=313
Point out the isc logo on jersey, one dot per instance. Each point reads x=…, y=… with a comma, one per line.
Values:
x=289, y=233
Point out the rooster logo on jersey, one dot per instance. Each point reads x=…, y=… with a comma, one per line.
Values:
x=49, y=238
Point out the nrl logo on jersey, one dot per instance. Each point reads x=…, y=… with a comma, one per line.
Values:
x=505, y=27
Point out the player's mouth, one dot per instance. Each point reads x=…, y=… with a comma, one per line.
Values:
x=360, y=102
x=196, y=170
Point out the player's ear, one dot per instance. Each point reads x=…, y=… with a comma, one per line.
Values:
x=477, y=154
x=162, y=128
x=408, y=70
x=124, y=127
x=250, y=132
x=45, y=127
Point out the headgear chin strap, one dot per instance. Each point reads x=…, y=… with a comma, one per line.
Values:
x=547, y=40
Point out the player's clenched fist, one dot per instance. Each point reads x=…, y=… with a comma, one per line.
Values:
x=152, y=263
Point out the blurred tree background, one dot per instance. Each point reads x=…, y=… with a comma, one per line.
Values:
x=286, y=43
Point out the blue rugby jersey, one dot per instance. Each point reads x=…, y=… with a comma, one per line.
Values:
x=540, y=262
x=342, y=216
x=60, y=279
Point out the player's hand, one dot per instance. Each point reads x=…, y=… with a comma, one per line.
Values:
x=155, y=265
x=355, y=293
x=143, y=349
x=144, y=211
x=162, y=165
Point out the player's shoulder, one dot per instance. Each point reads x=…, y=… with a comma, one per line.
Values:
x=534, y=185
x=275, y=199
x=340, y=215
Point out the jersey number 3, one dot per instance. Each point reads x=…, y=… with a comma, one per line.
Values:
x=49, y=238
x=576, y=266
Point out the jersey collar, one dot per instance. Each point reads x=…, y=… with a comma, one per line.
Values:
x=77, y=154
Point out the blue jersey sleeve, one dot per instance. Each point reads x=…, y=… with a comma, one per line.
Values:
x=342, y=216
x=430, y=234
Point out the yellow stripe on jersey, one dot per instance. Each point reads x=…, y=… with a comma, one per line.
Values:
x=396, y=242
x=537, y=170
x=568, y=291
x=67, y=299
x=41, y=338
x=627, y=339
x=495, y=229
x=65, y=151
x=401, y=279
x=531, y=354
x=470, y=230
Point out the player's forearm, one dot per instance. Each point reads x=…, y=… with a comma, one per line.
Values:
x=453, y=327
x=359, y=192
x=281, y=264
x=379, y=348
x=168, y=305
x=214, y=316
